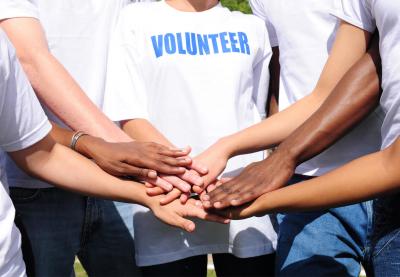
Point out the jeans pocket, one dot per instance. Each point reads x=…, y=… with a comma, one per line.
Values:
x=21, y=195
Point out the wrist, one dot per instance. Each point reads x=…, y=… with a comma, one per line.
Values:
x=85, y=144
x=226, y=147
x=288, y=154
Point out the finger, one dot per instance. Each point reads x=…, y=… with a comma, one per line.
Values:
x=198, y=212
x=192, y=177
x=198, y=190
x=184, y=198
x=171, y=196
x=174, y=152
x=219, y=196
x=211, y=187
x=240, y=199
x=176, y=162
x=127, y=169
x=159, y=182
x=158, y=165
x=184, y=223
x=148, y=185
x=177, y=183
x=199, y=167
x=155, y=191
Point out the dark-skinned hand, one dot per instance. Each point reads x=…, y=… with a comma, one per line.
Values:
x=256, y=179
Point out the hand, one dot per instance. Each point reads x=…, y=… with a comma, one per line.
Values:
x=256, y=179
x=176, y=185
x=241, y=212
x=215, y=159
x=175, y=213
x=142, y=159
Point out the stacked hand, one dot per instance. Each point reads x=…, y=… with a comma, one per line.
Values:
x=235, y=198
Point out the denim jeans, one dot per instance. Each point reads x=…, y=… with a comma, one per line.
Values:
x=57, y=225
x=386, y=237
x=325, y=243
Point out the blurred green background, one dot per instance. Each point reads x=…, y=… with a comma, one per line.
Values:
x=237, y=5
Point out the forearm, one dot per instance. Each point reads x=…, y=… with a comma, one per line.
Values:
x=53, y=84
x=142, y=130
x=355, y=96
x=68, y=170
x=278, y=127
x=365, y=178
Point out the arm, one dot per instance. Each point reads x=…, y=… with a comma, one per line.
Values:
x=368, y=177
x=53, y=84
x=119, y=159
x=58, y=91
x=350, y=45
x=352, y=99
x=66, y=169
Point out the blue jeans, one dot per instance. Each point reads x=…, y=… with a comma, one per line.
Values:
x=324, y=243
x=386, y=237
x=57, y=225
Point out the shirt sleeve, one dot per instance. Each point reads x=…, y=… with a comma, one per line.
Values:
x=21, y=115
x=257, y=6
x=261, y=75
x=18, y=8
x=357, y=13
x=125, y=96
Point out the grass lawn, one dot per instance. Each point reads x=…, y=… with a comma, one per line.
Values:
x=80, y=272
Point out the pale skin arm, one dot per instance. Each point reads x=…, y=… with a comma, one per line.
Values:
x=60, y=93
x=69, y=170
x=273, y=130
x=53, y=84
x=368, y=177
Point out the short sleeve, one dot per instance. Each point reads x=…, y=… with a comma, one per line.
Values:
x=125, y=96
x=257, y=6
x=357, y=13
x=261, y=75
x=18, y=8
x=22, y=119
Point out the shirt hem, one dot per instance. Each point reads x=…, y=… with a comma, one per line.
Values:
x=247, y=252
x=353, y=21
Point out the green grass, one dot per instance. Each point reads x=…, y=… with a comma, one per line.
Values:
x=80, y=272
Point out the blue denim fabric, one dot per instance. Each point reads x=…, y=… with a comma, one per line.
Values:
x=386, y=237
x=57, y=225
x=325, y=243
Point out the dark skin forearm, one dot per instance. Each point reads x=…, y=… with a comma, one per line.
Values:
x=134, y=158
x=355, y=96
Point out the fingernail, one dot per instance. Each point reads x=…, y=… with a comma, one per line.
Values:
x=190, y=227
x=206, y=197
x=234, y=202
x=217, y=205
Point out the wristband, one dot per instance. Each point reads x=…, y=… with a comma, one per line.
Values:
x=75, y=139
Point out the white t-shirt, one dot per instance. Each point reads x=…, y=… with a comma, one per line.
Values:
x=23, y=123
x=383, y=14
x=196, y=77
x=305, y=33
x=78, y=34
